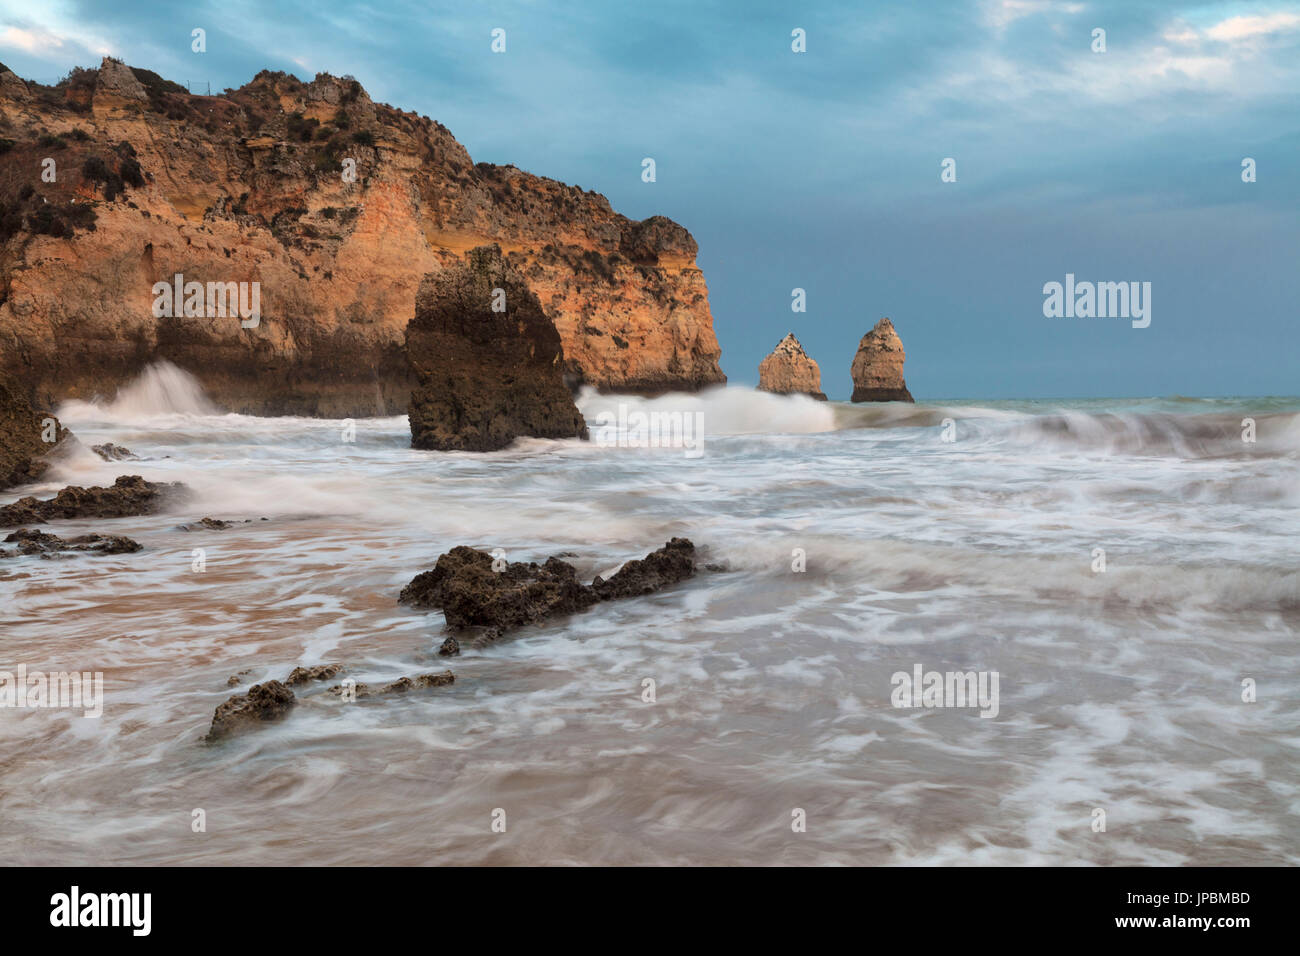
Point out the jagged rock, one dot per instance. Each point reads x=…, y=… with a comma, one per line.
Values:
x=129, y=495
x=12, y=87
x=304, y=675
x=38, y=542
x=245, y=186
x=450, y=648
x=470, y=594
x=788, y=370
x=485, y=377
x=263, y=702
x=674, y=562
x=22, y=433
x=110, y=452
x=400, y=686
x=116, y=79
x=878, y=367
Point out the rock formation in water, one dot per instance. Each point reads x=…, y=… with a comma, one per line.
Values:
x=130, y=495
x=336, y=207
x=38, y=542
x=878, y=367
x=399, y=686
x=789, y=370
x=262, y=703
x=487, y=361
x=471, y=592
x=23, y=430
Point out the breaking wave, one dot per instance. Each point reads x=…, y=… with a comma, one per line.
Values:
x=161, y=389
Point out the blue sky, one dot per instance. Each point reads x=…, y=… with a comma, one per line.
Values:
x=821, y=170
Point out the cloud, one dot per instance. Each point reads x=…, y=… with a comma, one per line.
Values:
x=37, y=42
x=1002, y=13
x=1243, y=28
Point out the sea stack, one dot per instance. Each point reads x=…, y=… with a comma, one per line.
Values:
x=788, y=370
x=487, y=361
x=878, y=367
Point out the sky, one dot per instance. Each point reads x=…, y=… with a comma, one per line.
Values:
x=822, y=170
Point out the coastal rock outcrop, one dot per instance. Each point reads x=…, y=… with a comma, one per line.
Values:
x=788, y=370
x=129, y=495
x=473, y=590
x=38, y=542
x=262, y=703
x=23, y=430
x=878, y=367
x=399, y=686
x=323, y=208
x=487, y=361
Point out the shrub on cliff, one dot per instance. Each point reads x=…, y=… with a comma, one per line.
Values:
x=157, y=89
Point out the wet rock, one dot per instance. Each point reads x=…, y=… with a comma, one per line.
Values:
x=304, y=675
x=234, y=679
x=110, y=452
x=207, y=524
x=485, y=377
x=450, y=648
x=38, y=542
x=262, y=703
x=399, y=686
x=22, y=432
x=464, y=586
x=878, y=366
x=788, y=370
x=129, y=495
x=674, y=562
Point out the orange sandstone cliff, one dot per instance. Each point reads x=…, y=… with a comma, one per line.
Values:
x=116, y=180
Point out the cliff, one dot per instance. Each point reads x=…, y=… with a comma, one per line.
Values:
x=877, y=368
x=789, y=370
x=336, y=207
x=27, y=436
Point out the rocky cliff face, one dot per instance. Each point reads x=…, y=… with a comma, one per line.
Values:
x=878, y=367
x=336, y=207
x=26, y=437
x=789, y=370
x=487, y=360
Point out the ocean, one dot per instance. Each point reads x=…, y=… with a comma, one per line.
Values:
x=1127, y=569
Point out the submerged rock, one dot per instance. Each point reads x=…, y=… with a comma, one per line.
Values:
x=464, y=586
x=485, y=377
x=38, y=542
x=304, y=675
x=23, y=431
x=262, y=703
x=789, y=370
x=110, y=452
x=129, y=495
x=400, y=686
x=878, y=366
